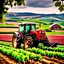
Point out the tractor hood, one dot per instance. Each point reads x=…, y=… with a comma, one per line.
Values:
x=38, y=31
x=40, y=34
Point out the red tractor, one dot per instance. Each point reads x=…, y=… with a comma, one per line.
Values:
x=30, y=36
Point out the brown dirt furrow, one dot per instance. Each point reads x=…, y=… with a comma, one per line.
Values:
x=43, y=61
x=54, y=59
x=5, y=60
x=46, y=61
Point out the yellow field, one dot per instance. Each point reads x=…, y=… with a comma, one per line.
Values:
x=8, y=29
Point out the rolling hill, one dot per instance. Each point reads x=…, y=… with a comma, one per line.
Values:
x=45, y=18
x=58, y=16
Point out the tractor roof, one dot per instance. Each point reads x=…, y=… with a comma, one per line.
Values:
x=28, y=23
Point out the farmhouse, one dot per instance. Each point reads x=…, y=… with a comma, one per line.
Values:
x=55, y=27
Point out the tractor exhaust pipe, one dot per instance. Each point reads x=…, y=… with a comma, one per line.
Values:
x=40, y=24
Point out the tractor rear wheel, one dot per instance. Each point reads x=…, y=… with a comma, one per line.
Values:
x=28, y=41
x=15, y=44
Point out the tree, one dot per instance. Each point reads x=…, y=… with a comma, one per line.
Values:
x=3, y=8
x=59, y=4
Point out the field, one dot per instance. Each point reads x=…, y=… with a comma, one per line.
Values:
x=39, y=55
x=52, y=38
x=9, y=28
x=6, y=25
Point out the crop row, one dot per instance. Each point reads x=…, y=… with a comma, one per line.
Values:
x=19, y=54
x=46, y=52
x=59, y=48
x=41, y=50
x=5, y=43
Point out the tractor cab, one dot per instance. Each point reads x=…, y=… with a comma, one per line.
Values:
x=26, y=27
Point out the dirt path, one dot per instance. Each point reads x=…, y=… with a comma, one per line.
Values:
x=58, y=30
x=8, y=29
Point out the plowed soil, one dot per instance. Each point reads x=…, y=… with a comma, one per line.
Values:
x=45, y=60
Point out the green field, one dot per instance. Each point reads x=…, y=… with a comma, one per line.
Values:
x=21, y=55
x=55, y=33
x=6, y=25
x=45, y=24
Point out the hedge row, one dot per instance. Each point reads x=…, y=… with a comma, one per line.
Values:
x=6, y=32
x=8, y=27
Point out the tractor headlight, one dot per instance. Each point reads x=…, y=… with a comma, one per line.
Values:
x=43, y=32
x=40, y=32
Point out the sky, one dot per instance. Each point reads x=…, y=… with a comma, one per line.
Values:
x=37, y=6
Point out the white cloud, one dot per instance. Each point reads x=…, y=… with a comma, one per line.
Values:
x=37, y=6
x=48, y=10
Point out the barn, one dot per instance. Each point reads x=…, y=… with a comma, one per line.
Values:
x=55, y=27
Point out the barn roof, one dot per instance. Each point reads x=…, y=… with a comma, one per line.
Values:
x=53, y=25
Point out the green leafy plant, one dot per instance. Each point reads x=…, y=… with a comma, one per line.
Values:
x=19, y=54
x=58, y=48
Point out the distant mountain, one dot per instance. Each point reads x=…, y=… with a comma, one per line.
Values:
x=59, y=16
x=26, y=14
x=10, y=15
x=53, y=16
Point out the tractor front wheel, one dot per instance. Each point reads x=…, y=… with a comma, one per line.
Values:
x=15, y=44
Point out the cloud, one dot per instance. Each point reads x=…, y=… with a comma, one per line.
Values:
x=39, y=3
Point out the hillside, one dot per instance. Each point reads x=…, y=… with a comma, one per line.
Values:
x=59, y=16
x=45, y=18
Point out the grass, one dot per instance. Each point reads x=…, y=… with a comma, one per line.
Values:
x=51, y=33
x=55, y=33
x=61, y=23
x=6, y=32
x=7, y=25
x=45, y=26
